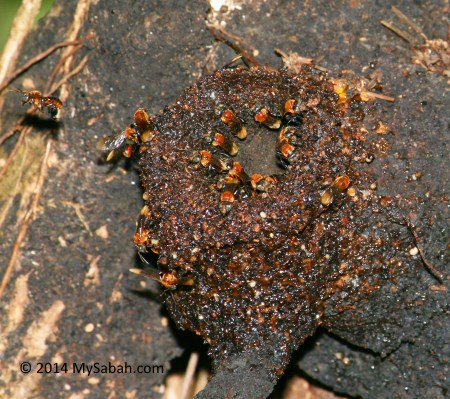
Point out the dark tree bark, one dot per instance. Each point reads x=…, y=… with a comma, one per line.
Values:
x=70, y=298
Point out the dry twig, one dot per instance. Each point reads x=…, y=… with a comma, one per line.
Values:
x=294, y=61
x=189, y=375
x=73, y=72
x=35, y=60
x=434, y=272
x=234, y=42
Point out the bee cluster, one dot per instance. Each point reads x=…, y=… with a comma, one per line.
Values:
x=250, y=258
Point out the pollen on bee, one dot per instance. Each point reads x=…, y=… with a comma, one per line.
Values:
x=110, y=155
x=147, y=136
x=340, y=88
x=145, y=211
x=351, y=192
x=327, y=198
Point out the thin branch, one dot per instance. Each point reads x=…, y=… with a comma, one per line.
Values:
x=413, y=42
x=35, y=60
x=73, y=72
x=434, y=272
x=227, y=38
x=292, y=61
x=58, y=67
x=371, y=95
x=43, y=170
x=404, y=35
x=403, y=18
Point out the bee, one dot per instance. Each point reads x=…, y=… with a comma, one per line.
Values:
x=229, y=187
x=339, y=184
x=235, y=178
x=234, y=123
x=211, y=161
x=261, y=183
x=167, y=279
x=141, y=237
x=285, y=147
x=268, y=119
x=53, y=104
x=292, y=112
x=143, y=125
x=115, y=142
x=140, y=131
x=238, y=172
x=285, y=151
x=229, y=146
x=142, y=233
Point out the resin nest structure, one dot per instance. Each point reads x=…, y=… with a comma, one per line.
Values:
x=253, y=205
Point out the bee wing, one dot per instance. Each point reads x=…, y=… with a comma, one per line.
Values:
x=112, y=142
x=150, y=273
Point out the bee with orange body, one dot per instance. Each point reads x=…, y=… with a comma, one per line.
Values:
x=138, y=132
x=167, y=279
x=53, y=104
x=234, y=123
x=339, y=185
